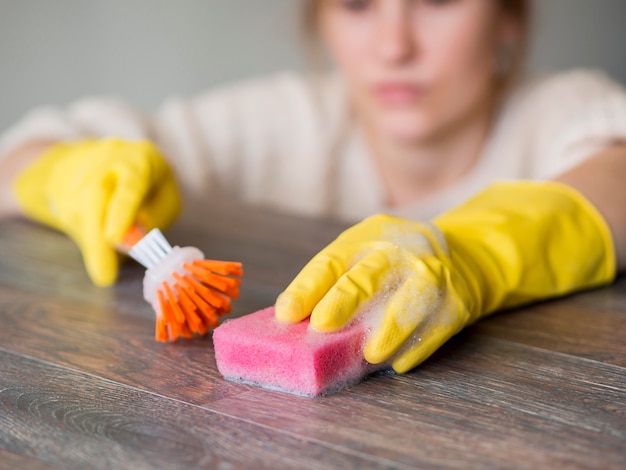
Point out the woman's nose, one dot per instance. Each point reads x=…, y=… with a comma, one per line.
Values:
x=395, y=40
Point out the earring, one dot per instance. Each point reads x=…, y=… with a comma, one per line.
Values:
x=503, y=59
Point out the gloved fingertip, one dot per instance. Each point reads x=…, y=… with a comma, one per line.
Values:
x=421, y=350
x=102, y=268
x=288, y=309
x=324, y=323
x=103, y=281
x=116, y=225
x=374, y=353
x=115, y=236
x=405, y=363
x=402, y=368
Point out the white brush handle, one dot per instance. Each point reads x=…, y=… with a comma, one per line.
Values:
x=151, y=249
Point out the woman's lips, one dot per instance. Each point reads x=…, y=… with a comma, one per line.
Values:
x=398, y=94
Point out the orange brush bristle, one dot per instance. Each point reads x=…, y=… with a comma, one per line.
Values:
x=189, y=294
x=195, y=304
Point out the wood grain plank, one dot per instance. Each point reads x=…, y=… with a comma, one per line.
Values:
x=480, y=402
x=41, y=261
x=109, y=343
x=502, y=400
x=542, y=386
x=73, y=420
x=271, y=246
x=10, y=460
x=611, y=298
x=583, y=325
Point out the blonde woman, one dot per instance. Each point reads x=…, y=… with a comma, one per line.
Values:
x=498, y=189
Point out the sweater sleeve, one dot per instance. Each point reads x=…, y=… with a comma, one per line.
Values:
x=87, y=118
x=262, y=141
x=573, y=115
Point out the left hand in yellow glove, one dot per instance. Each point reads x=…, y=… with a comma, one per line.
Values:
x=419, y=284
x=94, y=190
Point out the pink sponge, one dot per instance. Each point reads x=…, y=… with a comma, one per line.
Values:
x=259, y=349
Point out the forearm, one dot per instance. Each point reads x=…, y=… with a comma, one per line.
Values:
x=602, y=180
x=10, y=167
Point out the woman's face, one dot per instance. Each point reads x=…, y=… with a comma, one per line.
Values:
x=415, y=68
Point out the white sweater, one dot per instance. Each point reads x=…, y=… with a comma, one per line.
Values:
x=287, y=141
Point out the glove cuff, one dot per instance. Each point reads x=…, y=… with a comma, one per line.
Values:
x=520, y=242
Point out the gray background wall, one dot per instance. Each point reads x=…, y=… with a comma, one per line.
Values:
x=54, y=51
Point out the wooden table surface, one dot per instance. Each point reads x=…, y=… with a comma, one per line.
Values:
x=83, y=384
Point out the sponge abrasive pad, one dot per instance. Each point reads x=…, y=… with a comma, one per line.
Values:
x=259, y=349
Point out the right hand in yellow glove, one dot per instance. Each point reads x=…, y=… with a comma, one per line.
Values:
x=420, y=284
x=94, y=191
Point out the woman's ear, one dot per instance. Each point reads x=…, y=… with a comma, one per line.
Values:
x=508, y=45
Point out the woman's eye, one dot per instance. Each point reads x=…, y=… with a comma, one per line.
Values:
x=438, y=2
x=355, y=5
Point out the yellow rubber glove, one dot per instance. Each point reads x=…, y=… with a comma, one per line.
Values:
x=94, y=190
x=419, y=284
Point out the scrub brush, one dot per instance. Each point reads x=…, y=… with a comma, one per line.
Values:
x=188, y=293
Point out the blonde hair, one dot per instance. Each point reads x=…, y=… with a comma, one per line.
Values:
x=521, y=12
x=514, y=56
